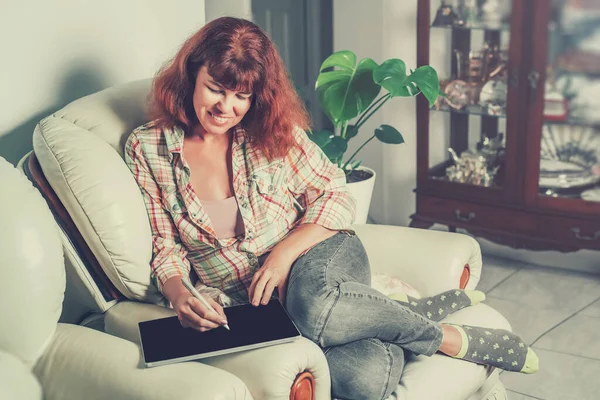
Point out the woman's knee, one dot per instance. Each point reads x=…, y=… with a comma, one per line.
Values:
x=366, y=369
x=315, y=279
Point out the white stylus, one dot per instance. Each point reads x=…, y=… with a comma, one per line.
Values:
x=188, y=285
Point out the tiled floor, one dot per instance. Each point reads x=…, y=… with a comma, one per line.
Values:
x=558, y=313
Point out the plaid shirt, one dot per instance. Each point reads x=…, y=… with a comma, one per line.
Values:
x=273, y=197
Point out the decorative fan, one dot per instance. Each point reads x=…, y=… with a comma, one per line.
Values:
x=570, y=156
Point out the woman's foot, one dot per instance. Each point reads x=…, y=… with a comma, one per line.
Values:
x=497, y=347
x=439, y=306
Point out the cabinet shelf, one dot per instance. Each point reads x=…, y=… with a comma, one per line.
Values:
x=475, y=26
x=481, y=111
x=474, y=109
x=574, y=121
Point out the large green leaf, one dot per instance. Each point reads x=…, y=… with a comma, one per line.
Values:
x=427, y=81
x=321, y=138
x=389, y=134
x=347, y=90
x=392, y=76
x=336, y=148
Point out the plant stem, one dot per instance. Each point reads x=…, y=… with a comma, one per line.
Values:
x=356, y=152
x=344, y=129
x=364, y=119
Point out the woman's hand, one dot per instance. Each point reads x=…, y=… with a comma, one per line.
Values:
x=193, y=314
x=276, y=269
x=273, y=274
x=190, y=311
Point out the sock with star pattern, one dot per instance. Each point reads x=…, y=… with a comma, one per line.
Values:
x=439, y=306
x=496, y=347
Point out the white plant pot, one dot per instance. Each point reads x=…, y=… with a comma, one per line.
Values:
x=362, y=192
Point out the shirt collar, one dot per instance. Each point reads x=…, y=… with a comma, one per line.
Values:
x=174, y=139
x=239, y=135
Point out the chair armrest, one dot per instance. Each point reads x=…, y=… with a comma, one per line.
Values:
x=16, y=380
x=430, y=261
x=268, y=372
x=82, y=363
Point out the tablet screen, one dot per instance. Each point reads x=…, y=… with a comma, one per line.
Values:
x=165, y=340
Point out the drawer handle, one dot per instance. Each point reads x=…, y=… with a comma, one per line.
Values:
x=468, y=218
x=578, y=235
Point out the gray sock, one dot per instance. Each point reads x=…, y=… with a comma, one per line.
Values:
x=439, y=306
x=497, y=347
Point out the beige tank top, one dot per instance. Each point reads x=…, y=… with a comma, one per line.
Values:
x=225, y=217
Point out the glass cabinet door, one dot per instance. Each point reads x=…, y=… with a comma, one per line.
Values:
x=569, y=166
x=470, y=127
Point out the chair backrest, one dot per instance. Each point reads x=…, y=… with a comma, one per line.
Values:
x=31, y=267
x=80, y=149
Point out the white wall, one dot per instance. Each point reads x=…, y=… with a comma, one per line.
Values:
x=383, y=29
x=230, y=8
x=55, y=51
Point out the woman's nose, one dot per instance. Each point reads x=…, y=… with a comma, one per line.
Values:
x=225, y=105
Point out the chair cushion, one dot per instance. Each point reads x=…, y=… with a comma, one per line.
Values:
x=31, y=268
x=80, y=151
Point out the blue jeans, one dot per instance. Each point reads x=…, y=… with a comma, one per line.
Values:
x=362, y=332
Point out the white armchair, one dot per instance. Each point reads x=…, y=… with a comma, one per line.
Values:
x=42, y=359
x=106, y=237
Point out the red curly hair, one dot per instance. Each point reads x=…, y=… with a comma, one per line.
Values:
x=241, y=57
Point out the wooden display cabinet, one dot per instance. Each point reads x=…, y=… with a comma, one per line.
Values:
x=520, y=116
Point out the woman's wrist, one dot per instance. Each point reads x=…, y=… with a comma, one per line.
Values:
x=173, y=288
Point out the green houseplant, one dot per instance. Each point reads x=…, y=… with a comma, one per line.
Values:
x=347, y=91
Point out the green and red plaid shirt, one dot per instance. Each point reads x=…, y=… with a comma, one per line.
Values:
x=273, y=198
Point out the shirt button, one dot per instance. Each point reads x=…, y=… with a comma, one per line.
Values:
x=176, y=207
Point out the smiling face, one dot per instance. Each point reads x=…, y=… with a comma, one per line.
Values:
x=218, y=109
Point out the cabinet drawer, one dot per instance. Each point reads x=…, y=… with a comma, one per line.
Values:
x=465, y=214
x=579, y=232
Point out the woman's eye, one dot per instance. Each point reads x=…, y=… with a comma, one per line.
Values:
x=242, y=97
x=214, y=90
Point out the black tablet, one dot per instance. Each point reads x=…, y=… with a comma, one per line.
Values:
x=165, y=341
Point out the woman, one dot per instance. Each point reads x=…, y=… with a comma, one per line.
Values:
x=239, y=197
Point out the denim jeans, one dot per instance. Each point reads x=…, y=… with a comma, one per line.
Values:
x=362, y=332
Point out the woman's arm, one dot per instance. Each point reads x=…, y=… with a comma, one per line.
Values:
x=319, y=185
x=169, y=257
x=329, y=208
x=169, y=262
